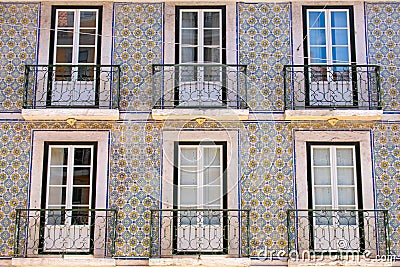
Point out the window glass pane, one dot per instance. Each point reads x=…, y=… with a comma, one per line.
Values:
x=58, y=176
x=55, y=217
x=86, y=55
x=82, y=156
x=212, y=195
x=339, y=37
x=212, y=55
x=317, y=37
x=57, y=196
x=212, y=217
x=321, y=157
x=87, y=37
x=81, y=176
x=345, y=176
x=211, y=156
x=211, y=37
x=323, y=217
x=211, y=20
x=80, y=195
x=80, y=217
x=189, y=19
x=322, y=176
x=188, y=156
x=316, y=19
x=189, y=55
x=188, y=196
x=323, y=196
x=189, y=37
x=347, y=217
x=346, y=196
x=212, y=176
x=63, y=73
x=340, y=54
x=65, y=19
x=318, y=55
x=64, y=55
x=65, y=37
x=213, y=74
x=339, y=19
x=344, y=156
x=59, y=156
x=85, y=73
x=88, y=19
x=188, y=175
x=188, y=218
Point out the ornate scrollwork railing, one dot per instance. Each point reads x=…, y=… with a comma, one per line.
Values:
x=313, y=232
x=199, y=86
x=332, y=86
x=199, y=231
x=82, y=86
x=63, y=231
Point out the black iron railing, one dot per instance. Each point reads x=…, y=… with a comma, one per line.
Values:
x=332, y=86
x=64, y=231
x=199, y=231
x=199, y=86
x=81, y=86
x=329, y=231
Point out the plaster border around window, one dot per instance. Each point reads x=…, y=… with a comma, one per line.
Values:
x=301, y=137
x=359, y=30
x=39, y=137
x=170, y=137
x=45, y=29
x=230, y=32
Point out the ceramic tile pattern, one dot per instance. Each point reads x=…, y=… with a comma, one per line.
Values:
x=383, y=37
x=138, y=43
x=264, y=46
x=18, y=34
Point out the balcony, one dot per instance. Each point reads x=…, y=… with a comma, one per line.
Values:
x=199, y=232
x=190, y=91
x=65, y=231
x=87, y=92
x=327, y=232
x=343, y=92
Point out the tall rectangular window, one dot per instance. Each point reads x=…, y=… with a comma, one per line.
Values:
x=75, y=51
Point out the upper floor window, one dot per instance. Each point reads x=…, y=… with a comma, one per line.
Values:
x=201, y=35
x=76, y=33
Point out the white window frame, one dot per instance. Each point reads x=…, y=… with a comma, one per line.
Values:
x=201, y=185
x=69, y=183
x=329, y=46
x=76, y=31
x=200, y=35
x=334, y=186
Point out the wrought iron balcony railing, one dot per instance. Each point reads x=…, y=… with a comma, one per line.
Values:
x=64, y=231
x=332, y=86
x=313, y=232
x=80, y=86
x=199, y=231
x=199, y=86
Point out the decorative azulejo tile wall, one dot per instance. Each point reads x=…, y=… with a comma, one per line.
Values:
x=137, y=44
x=383, y=37
x=18, y=35
x=264, y=46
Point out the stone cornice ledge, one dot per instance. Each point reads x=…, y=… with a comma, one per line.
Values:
x=192, y=113
x=68, y=113
x=358, y=115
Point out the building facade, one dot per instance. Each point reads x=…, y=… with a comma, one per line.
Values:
x=178, y=132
